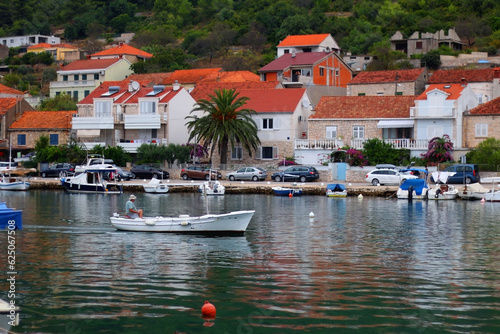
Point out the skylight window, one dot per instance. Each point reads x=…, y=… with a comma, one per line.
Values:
x=447, y=86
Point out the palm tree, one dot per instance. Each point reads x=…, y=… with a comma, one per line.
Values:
x=224, y=122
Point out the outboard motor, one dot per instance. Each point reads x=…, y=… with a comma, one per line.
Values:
x=410, y=193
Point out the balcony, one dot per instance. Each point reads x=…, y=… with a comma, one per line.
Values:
x=90, y=123
x=334, y=144
x=67, y=84
x=131, y=146
x=432, y=112
x=152, y=121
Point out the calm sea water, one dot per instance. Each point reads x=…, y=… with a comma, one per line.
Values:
x=364, y=266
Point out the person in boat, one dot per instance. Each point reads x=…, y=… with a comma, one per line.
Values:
x=132, y=211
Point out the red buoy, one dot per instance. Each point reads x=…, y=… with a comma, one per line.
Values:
x=208, y=310
x=290, y=195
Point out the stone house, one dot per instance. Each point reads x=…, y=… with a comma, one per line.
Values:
x=307, y=43
x=481, y=123
x=32, y=124
x=386, y=83
x=421, y=43
x=79, y=78
x=11, y=109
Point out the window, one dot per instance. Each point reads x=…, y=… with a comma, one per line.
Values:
x=54, y=140
x=21, y=140
x=435, y=131
x=306, y=72
x=75, y=95
x=331, y=132
x=321, y=71
x=237, y=153
x=418, y=45
x=399, y=93
x=147, y=107
x=358, y=132
x=65, y=78
x=380, y=93
x=482, y=130
x=286, y=51
x=96, y=76
x=58, y=93
x=84, y=77
x=269, y=152
x=77, y=77
x=267, y=123
x=361, y=94
x=86, y=93
x=102, y=109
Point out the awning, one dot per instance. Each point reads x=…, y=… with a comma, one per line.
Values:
x=407, y=123
x=88, y=133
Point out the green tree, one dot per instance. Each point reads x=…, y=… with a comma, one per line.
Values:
x=486, y=154
x=377, y=152
x=60, y=102
x=225, y=122
x=119, y=156
x=432, y=60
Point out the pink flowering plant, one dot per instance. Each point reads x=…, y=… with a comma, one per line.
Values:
x=356, y=158
x=197, y=150
x=440, y=150
x=286, y=162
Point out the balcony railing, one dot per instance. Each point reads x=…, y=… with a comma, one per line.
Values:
x=332, y=144
x=64, y=84
x=433, y=112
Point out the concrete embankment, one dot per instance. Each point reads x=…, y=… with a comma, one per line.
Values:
x=178, y=186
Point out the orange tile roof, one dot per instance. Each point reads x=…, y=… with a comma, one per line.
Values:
x=190, y=76
x=51, y=46
x=104, y=87
x=7, y=90
x=455, y=76
x=203, y=89
x=303, y=40
x=231, y=76
x=367, y=77
x=453, y=91
x=357, y=107
x=6, y=104
x=155, y=78
x=489, y=108
x=90, y=64
x=123, y=49
x=40, y=120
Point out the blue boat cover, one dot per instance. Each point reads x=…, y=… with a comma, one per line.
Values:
x=8, y=214
x=335, y=187
x=417, y=184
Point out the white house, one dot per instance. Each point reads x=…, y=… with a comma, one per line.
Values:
x=307, y=43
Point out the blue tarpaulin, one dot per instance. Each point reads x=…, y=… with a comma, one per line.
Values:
x=10, y=215
x=335, y=187
x=417, y=184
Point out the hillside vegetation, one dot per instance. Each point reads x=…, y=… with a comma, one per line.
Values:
x=242, y=34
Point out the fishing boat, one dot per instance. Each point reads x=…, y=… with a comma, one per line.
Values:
x=287, y=191
x=472, y=192
x=10, y=218
x=92, y=181
x=336, y=190
x=16, y=182
x=413, y=189
x=156, y=186
x=212, y=188
x=235, y=222
x=442, y=190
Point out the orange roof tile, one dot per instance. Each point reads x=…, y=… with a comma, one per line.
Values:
x=104, y=87
x=453, y=91
x=357, y=107
x=231, y=76
x=7, y=90
x=456, y=76
x=189, y=76
x=51, y=46
x=155, y=78
x=6, y=104
x=90, y=64
x=367, y=77
x=123, y=49
x=203, y=89
x=489, y=108
x=303, y=40
x=40, y=120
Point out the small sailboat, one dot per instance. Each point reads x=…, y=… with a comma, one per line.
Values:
x=17, y=182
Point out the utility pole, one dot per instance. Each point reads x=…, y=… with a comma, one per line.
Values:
x=396, y=90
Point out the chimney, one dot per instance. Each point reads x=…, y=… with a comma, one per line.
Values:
x=293, y=53
x=464, y=82
x=176, y=86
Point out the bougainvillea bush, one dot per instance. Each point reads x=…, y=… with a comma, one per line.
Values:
x=440, y=150
x=356, y=158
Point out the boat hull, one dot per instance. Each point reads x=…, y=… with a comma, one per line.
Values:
x=92, y=188
x=280, y=191
x=443, y=192
x=159, y=189
x=336, y=193
x=232, y=223
x=18, y=186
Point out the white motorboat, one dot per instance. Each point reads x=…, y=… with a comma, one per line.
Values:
x=413, y=189
x=472, y=192
x=233, y=222
x=336, y=190
x=156, y=186
x=212, y=188
x=442, y=190
x=92, y=181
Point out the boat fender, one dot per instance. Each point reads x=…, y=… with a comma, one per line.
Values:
x=149, y=222
x=184, y=223
x=437, y=193
x=410, y=193
x=183, y=216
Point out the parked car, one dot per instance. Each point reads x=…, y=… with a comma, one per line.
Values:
x=27, y=157
x=199, y=173
x=387, y=176
x=464, y=173
x=61, y=169
x=296, y=173
x=120, y=175
x=248, y=173
x=5, y=166
x=148, y=172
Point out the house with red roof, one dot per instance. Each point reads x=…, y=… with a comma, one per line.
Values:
x=32, y=124
x=386, y=83
x=130, y=113
x=351, y=120
x=307, y=43
x=439, y=111
x=206, y=88
x=79, y=78
x=189, y=78
x=281, y=116
x=484, y=82
x=60, y=51
x=322, y=73
x=11, y=109
x=481, y=123
x=151, y=78
x=6, y=91
x=122, y=50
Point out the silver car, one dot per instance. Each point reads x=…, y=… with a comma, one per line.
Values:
x=248, y=173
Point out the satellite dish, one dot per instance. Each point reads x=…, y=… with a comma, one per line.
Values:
x=135, y=85
x=305, y=103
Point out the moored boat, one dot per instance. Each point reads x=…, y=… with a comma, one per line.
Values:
x=92, y=181
x=232, y=222
x=472, y=192
x=212, y=188
x=336, y=190
x=287, y=191
x=442, y=190
x=156, y=186
x=413, y=189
